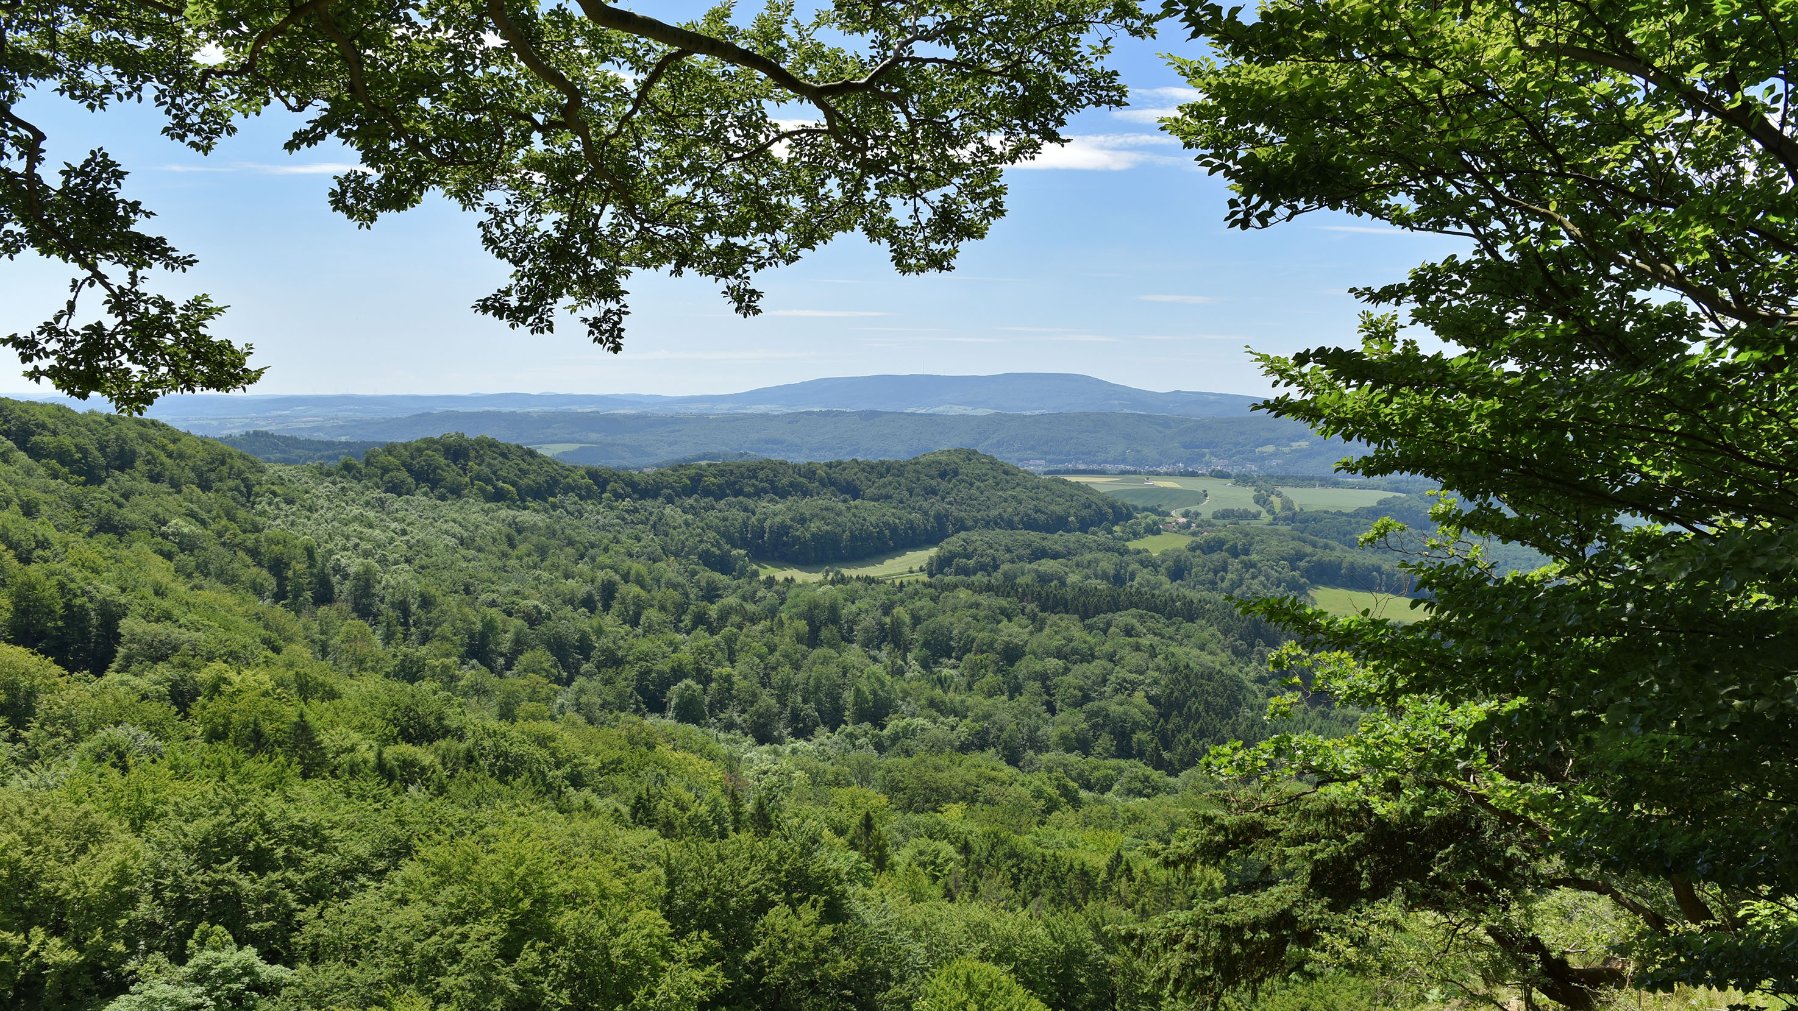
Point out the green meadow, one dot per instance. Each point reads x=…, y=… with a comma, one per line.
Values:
x=1347, y=603
x=1161, y=542
x=895, y=567
x=1203, y=496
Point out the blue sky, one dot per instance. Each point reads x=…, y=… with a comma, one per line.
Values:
x=1112, y=261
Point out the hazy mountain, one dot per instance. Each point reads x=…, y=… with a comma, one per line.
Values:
x=1008, y=393
x=1011, y=393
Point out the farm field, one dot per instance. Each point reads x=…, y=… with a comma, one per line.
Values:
x=895, y=567
x=1335, y=499
x=1205, y=495
x=1161, y=542
x=1346, y=603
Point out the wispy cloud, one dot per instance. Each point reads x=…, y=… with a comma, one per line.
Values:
x=1150, y=105
x=1232, y=337
x=1166, y=94
x=1083, y=338
x=898, y=329
x=1145, y=113
x=1180, y=299
x=1105, y=152
x=826, y=313
x=324, y=168
x=1036, y=329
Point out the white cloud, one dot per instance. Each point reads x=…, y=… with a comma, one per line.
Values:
x=1167, y=94
x=328, y=168
x=826, y=313
x=1104, y=152
x=1083, y=339
x=1145, y=114
x=1151, y=105
x=1180, y=299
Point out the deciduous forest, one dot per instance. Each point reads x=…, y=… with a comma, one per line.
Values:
x=450, y=724
x=463, y=726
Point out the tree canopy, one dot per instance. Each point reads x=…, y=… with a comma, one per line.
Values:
x=1605, y=376
x=277, y=737
x=592, y=141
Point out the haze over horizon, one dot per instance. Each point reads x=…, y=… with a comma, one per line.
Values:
x=44, y=393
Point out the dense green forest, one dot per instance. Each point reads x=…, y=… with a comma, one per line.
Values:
x=461, y=726
x=458, y=726
x=276, y=448
x=526, y=735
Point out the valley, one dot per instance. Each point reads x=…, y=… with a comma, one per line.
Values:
x=1435, y=654
x=456, y=663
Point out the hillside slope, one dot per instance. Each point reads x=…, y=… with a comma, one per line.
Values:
x=465, y=727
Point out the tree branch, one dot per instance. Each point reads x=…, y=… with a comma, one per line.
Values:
x=1653, y=920
x=1764, y=133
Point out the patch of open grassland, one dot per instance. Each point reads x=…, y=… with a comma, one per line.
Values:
x=1345, y=602
x=896, y=567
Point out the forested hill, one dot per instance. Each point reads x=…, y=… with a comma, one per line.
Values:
x=805, y=513
x=273, y=448
x=276, y=737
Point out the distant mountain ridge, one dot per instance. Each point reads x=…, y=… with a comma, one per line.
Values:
x=1116, y=439
x=1005, y=393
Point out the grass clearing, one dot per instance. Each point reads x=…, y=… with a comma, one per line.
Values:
x=1203, y=496
x=1199, y=495
x=553, y=448
x=1336, y=499
x=1089, y=478
x=1345, y=603
x=895, y=567
x=1162, y=541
